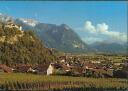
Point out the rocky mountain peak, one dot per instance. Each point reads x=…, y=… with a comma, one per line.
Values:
x=65, y=26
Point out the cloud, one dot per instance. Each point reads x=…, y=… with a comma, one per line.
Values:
x=91, y=39
x=103, y=30
x=117, y=36
x=102, y=27
x=88, y=26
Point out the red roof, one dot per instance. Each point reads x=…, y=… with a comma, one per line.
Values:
x=56, y=65
x=22, y=67
x=77, y=69
x=41, y=67
x=65, y=67
x=6, y=68
x=89, y=65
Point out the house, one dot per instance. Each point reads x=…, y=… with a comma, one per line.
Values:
x=4, y=68
x=88, y=69
x=89, y=66
x=103, y=73
x=118, y=63
x=41, y=68
x=52, y=67
x=98, y=73
x=24, y=68
x=62, y=58
x=126, y=63
x=66, y=68
x=120, y=73
x=58, y=69
x=76, y=71
x=95, y=62
x=62, y=61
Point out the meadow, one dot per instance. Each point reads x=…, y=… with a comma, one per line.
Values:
x=22, y=81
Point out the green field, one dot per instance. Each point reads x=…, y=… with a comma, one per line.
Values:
x=31, y=81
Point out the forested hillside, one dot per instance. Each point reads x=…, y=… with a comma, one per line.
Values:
x=17, y=46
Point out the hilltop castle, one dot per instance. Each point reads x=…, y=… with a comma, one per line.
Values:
x=10, y=24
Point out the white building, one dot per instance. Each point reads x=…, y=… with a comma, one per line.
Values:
x=50, y=69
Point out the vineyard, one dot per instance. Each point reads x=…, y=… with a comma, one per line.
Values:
x=20, y=81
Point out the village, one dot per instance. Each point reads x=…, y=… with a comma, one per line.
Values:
x=98, y=66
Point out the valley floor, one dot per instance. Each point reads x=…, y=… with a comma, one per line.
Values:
x=23, y=81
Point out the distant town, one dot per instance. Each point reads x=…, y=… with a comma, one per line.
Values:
x=97, y=66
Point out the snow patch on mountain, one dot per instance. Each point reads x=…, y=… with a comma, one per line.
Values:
x=29, y=22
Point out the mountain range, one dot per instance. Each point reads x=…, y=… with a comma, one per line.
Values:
x=110, y=47
x=63, y=38
x=60, y=37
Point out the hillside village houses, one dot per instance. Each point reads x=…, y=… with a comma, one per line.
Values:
x=70, y=66
x=55, y=68
x=23, y=68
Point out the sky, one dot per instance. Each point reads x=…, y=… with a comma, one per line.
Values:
x=93, y=21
